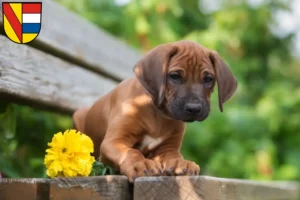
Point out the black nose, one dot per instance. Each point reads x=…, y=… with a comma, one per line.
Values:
x=193, y=108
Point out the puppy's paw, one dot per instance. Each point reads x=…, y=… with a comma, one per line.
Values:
x=144, y=167
x=180, y=167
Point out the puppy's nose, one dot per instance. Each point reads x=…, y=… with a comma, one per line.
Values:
x=193, y=108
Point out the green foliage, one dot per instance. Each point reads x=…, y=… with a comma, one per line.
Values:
x=24, y=134
x=258, y=134
x=99, y=169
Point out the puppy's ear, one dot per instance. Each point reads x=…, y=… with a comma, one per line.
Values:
x=152, y=71
x=227, y=83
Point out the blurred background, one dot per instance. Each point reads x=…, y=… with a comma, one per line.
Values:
x=258, y=134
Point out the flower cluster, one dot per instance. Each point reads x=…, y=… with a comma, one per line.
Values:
x=69, y=155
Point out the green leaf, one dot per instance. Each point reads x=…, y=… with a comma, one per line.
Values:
x=111, y=171
x=104, y=171
x=99, y=169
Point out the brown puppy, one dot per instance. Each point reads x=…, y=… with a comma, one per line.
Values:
x=139, y=126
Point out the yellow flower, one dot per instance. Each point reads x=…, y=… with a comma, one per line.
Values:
x=69, y=155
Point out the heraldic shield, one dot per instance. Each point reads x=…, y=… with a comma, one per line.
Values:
x=22, y=20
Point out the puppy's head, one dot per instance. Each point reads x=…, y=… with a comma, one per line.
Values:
x=180, y=78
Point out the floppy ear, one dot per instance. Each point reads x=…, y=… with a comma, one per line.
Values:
x=152, y=71
x=227, y=83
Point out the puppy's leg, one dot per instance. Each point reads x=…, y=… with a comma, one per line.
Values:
x=172, y=161
x=79, y=117
x=174, y=164
x=117, y=148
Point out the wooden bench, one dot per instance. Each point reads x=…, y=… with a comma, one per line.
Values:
x=70, y=65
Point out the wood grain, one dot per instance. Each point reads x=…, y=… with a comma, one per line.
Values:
x=155, y=188
x=210, y=188
x=91, y=188
x=67, y=35
x=24, y=189
x=29, y=76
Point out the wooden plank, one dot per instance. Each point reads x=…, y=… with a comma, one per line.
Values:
x=65, y=34
x=24, y=189
x=210, y=188
x=32, y=77
x=91, y=188
x=155, y=188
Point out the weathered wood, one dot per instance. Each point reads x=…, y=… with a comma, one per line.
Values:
x=24, y=189
x=91, y=188
x=155, y=188
x=210, y=188
x=30, y=76
x=65, y=34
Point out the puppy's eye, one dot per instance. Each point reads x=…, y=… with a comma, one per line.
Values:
x=208, y=79
x=175, y=76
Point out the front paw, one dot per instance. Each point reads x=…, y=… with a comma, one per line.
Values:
x=180, y=167
x=144, y=167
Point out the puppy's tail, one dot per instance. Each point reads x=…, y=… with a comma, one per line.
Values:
x=79, y=117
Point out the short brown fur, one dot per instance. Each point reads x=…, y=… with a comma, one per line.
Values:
x=138, y=127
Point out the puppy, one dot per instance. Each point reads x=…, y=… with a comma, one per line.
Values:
x=139, y=126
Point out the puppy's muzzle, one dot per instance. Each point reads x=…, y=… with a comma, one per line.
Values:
x=193, y=108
